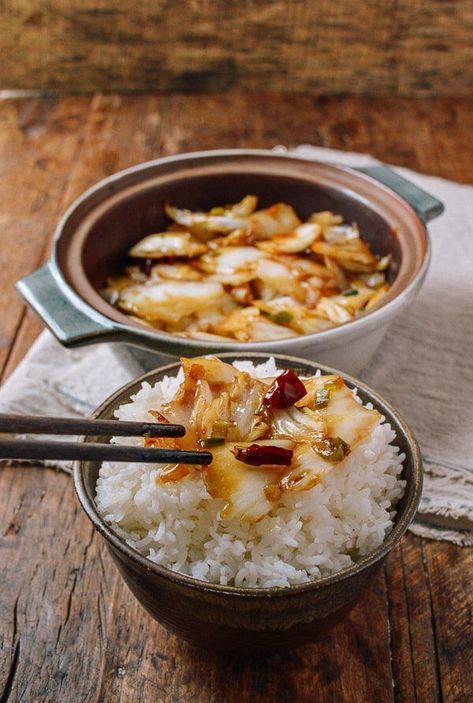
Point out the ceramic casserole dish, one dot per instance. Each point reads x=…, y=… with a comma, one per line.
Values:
x=93, y=236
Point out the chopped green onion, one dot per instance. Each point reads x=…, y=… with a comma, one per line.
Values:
x=217, y=211
x=282, y=317
x=333, y=449
x=322, y=396
x=219, y=428
x=350, y=292
x=211, y=441
x=330, y=385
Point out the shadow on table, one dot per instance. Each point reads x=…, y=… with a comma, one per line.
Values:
x=350, y=663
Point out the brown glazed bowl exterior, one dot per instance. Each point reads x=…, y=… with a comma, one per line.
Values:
x=249, y=621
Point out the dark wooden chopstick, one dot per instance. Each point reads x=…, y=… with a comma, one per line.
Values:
x=61, y=451
x=17, y=448
x=36, y=424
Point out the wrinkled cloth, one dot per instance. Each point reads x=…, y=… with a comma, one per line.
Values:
x=424, y=366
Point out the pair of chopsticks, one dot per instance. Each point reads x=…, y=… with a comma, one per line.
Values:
x=89, y=451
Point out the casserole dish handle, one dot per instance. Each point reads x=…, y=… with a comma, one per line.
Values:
x=425, y=205
x=72, y=326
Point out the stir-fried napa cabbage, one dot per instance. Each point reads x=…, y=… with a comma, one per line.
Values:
x=264, y=439
x=239, y=273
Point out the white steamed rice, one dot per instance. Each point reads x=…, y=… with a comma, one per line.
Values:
x=306, y=536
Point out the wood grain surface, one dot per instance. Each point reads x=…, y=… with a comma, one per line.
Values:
x=403, y=47
x=70, y=631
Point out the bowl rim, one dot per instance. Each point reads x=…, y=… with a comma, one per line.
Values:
x=392, y=539
x=151, y=338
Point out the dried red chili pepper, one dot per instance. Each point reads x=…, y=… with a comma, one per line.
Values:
x=258, y=454
x=285, y=390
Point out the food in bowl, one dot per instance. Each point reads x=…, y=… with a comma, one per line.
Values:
x=249, y=275
x=304, y=479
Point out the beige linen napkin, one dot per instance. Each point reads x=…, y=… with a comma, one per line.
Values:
x=424, y=366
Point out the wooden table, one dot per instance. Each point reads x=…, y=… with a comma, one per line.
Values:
x=69, y=628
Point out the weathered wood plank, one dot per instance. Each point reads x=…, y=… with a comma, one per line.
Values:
x=53, y=559
x=449, y=573
x=114, y=133
x=413, y=644
x=38, y=143
x=403, y=47
x=426, y=135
